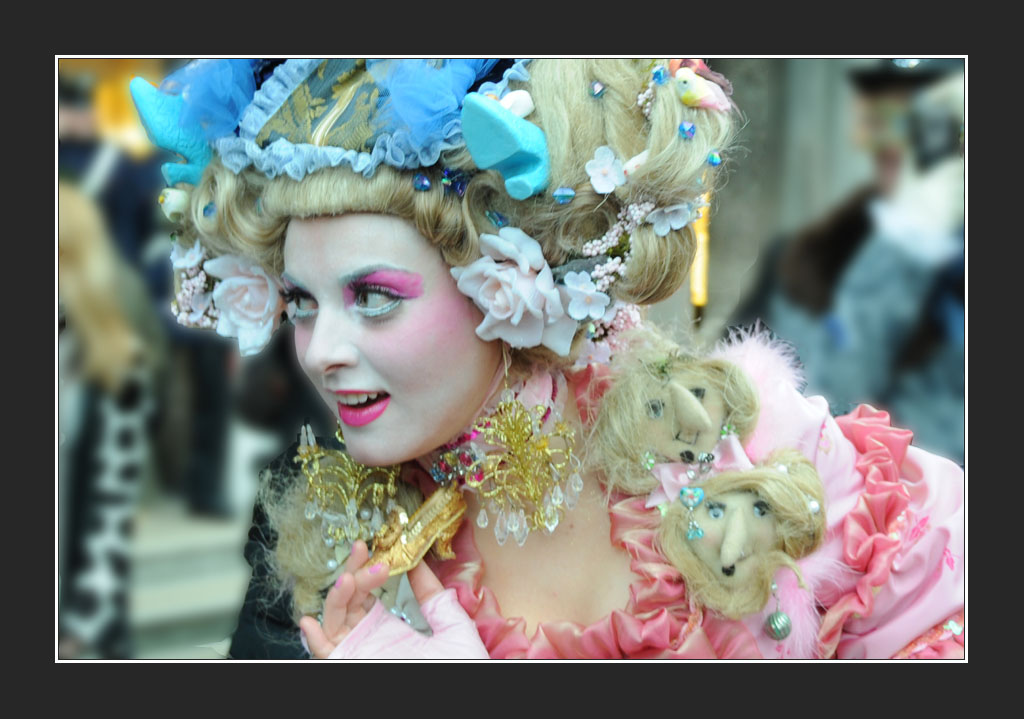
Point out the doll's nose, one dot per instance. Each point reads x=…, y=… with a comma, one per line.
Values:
x=690, y=413
x=735, y=542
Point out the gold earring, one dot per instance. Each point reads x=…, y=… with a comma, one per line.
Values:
x=521, y=480
x=350, y=498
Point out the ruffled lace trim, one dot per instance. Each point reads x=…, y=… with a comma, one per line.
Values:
x=869, y=543
x=282, y=157
x=943, y=641
x=516, y=72
x=657, y=622
x=272, y=94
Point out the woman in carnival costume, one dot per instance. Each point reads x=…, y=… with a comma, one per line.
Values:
x=523, y=467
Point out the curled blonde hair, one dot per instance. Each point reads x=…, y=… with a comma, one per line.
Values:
x=617, y=441
x=800, y=532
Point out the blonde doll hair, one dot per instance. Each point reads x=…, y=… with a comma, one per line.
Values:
x=800, y=531
x=617, y=441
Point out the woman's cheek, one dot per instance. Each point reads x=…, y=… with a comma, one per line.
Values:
x=302, y=335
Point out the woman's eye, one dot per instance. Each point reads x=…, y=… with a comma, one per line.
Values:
x=374, y=301
x=655, y=409
x=761, y=508
x=716, y=511
x=300, y=305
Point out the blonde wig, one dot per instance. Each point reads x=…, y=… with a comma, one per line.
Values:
x=252, y=211
x=618, y=441
x=790, y=496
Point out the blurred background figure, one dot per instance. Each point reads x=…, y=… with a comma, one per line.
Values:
x=872, y=294
x=111, y=351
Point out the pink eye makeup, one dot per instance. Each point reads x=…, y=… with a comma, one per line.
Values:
x=380, y=291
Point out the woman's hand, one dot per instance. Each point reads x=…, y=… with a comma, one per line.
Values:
x=347, y=602
x=350, y=599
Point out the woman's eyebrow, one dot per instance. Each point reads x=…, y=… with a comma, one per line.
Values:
x=291, y=281
x=406, y=283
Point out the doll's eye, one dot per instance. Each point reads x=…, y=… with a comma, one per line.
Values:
x=655, y=408
x=761, y=508
x=697, y=392
x=716, y=510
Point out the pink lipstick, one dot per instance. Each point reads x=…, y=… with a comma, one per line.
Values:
x=362, y=414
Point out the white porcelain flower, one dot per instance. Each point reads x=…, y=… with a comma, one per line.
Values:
x=248, y=300
x=675, y=217
x=182, y=259
x=605, y=171
x=514, y=288
x=584, y=298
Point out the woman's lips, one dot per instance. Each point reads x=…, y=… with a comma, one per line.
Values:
x=363, y=414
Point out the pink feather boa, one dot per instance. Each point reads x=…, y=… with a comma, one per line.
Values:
x=774, y=367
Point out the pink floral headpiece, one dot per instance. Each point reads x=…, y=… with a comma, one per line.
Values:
x=235, y=296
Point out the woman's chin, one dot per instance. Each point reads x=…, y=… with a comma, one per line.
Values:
x=376, y=454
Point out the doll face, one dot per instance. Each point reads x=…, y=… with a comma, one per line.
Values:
x=384, y=334
x=738, y=528
x=684, y=416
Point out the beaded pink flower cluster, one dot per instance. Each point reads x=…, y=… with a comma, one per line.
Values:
x=193, y=303
x=630, y=217
x=627, y=316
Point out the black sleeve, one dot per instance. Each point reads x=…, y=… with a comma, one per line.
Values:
x=265, y=628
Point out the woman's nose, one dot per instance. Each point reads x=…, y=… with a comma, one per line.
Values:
x=330, y=345
x=735, y=540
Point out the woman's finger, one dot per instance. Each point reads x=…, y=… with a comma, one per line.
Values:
x=424, y=583
x=319, y=645
x=365, y=580
x=357, y=556
x=337, y=606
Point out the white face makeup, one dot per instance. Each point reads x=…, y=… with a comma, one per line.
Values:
x=684, y=417
x=384, y=334
x=738, y=526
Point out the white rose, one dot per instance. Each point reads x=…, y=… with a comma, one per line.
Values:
x=513, y=286
x=248, y=300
